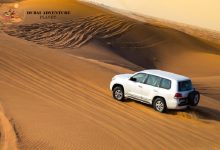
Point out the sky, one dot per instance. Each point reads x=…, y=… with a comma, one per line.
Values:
x=202, y=13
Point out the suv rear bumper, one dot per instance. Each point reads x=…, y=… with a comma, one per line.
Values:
x=183, y=102
x=178, y=103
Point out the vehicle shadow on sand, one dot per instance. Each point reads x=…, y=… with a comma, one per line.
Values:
x=197, y=113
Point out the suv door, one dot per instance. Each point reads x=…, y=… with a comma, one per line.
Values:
x=134, y=85
x=150, y=88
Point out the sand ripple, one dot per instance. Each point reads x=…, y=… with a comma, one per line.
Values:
x=73, y=33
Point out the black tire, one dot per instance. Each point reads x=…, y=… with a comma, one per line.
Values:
x=159, y=105
x=194, y=98
x=118, y=93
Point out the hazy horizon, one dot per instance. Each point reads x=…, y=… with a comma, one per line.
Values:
x=204, y=14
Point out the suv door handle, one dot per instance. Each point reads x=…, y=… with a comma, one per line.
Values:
x=155, y=91
x=139, y=86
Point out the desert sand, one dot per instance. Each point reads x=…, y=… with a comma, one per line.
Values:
x=54, y=83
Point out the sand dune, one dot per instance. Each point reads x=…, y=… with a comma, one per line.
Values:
x=60, y=101
x=54, y=84
x=202, y=33
x=124, y=36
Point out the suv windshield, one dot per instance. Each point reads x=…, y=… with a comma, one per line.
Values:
x=184, y=85
x=140, y=77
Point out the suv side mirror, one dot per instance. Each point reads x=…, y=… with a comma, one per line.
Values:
x=133, y=79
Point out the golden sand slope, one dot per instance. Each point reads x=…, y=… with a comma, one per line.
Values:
x=61, y=102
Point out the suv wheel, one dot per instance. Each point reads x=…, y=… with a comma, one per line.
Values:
x=118, y=93
x=160, y=105
x=194, y=98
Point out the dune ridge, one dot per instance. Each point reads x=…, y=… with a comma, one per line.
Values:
x=8, y=139
x=202, y=33
x=210, y=35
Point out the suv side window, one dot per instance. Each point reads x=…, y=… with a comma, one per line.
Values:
x=153, y=80
x=140, y=77
x=165, y=84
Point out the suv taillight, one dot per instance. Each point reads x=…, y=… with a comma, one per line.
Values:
x=178, y=95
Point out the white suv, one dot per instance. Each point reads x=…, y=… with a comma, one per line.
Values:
x=163, y=90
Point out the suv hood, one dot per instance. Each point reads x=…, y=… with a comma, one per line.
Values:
x=123, y=76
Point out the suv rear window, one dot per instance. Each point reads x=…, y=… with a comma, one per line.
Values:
x=184, y=85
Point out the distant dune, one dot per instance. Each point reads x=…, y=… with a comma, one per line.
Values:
x=206, y=34
x=54, y=82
